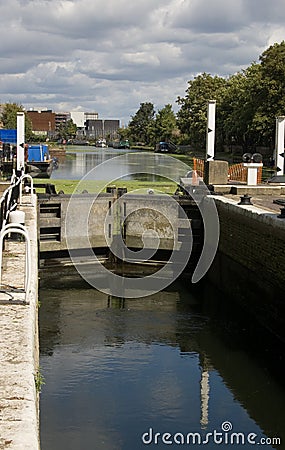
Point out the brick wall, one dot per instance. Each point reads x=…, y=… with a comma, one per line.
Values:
x=254, y=238
x=250, y=263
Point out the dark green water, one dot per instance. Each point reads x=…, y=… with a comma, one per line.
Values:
x=174, y=362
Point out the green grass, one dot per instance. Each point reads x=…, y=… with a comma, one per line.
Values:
x=93, y=186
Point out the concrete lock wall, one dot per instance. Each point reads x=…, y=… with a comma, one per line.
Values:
x=136, y=215
x=250, y=263
x=155, y=213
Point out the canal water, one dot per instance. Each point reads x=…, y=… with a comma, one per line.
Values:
x=79, y=160
x=126, y=374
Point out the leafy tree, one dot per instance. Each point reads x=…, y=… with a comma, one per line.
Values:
x=123, y=133
x=67, y=130
x=238, y=108
x=254, y=98
x=270, y=90
x=165, y=124
x=9, y=118
x=142, y=123
x=192, y=116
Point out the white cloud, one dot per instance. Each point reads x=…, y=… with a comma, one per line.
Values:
x=111, y=55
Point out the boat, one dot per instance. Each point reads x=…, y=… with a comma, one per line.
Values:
x=101, y=143
x=121, y=144
x=38, y=162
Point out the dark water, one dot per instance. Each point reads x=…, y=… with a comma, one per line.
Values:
x=174, y=362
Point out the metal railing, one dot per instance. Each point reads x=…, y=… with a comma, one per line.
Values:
x=237, y=172
x=199, y=166
x=8, y=203
x=19, y=229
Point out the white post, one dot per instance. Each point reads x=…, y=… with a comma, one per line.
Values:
x=20, y=140
x=252, y=172
x=210, y=143
x=279, y=145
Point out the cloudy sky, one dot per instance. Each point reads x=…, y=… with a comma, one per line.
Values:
x=110, y=55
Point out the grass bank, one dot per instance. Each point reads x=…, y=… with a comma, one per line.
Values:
x=94, y=186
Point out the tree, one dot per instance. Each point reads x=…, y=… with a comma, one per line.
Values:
x=9, y=118
x=67, y=130
x=192, y=116
x=238, y=108
x=142, y=123
x=271, y=90
x=165, y=124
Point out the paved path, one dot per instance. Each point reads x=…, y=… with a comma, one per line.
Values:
x=19, y=346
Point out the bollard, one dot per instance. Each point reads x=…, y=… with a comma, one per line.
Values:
x=245, y=200
x=281, y=202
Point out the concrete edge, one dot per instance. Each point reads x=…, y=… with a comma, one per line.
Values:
x=25, y=432
x=255, y=212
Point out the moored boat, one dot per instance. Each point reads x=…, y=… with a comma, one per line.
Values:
x=38, y=162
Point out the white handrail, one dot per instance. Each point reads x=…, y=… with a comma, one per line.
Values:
x=26, y=175
x=20, y=229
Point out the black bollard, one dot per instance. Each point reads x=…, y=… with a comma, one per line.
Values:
x=245, y=200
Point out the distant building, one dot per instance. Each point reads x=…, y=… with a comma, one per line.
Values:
x=61, y=119
x=43, y=122
x=78, y=117
x=102, y=129
x=90, y=116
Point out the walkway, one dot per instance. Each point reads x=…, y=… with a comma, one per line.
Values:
x=19, y=428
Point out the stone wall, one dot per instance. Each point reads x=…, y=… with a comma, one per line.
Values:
x=250, y=263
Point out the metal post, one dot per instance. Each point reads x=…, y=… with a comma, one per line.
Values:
x=20, y=140
x=279, y=145
x=211, y=124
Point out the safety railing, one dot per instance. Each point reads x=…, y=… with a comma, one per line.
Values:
x=237, y=172
x=199, y=166
x=9, y=198
x=8, y=203
x=19, y=229
x=23, y=177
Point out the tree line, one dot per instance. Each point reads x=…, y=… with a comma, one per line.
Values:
x=247, y=104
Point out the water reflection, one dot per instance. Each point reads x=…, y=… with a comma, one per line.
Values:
x=80, y=160
x=116, y=367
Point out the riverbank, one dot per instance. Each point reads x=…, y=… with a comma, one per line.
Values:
x=94, y=186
